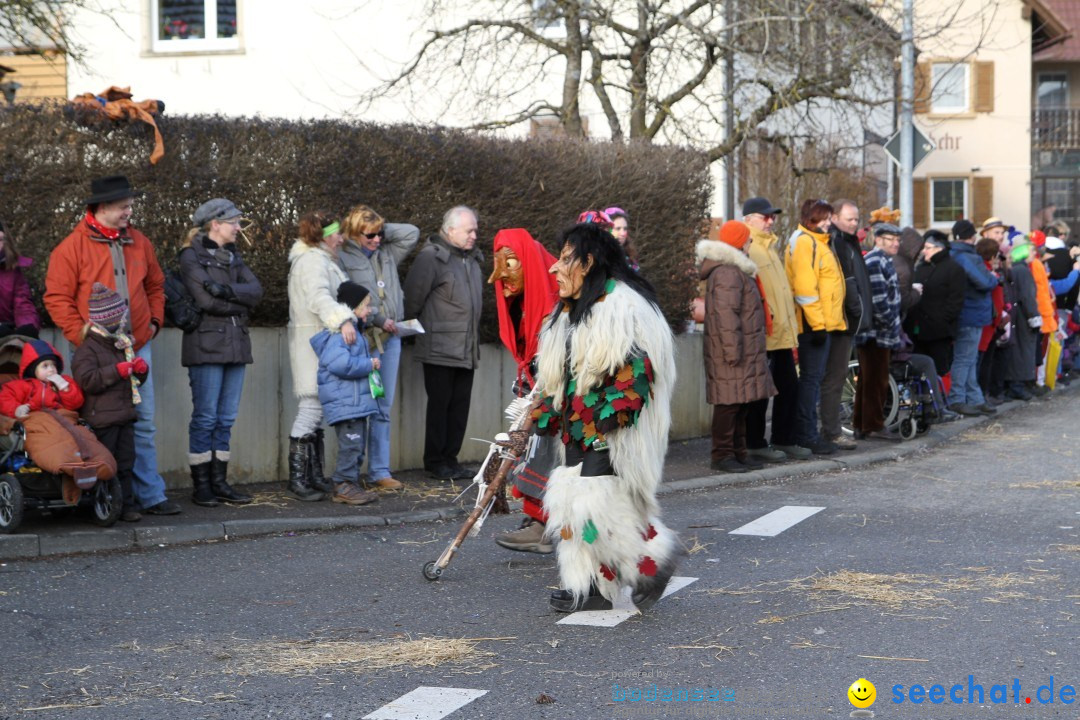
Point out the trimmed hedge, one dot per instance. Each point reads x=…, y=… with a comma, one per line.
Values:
x=275, y=170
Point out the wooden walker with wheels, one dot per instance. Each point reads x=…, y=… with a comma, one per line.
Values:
x=503, y=454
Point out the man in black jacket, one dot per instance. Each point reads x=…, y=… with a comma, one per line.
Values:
x=857, y=313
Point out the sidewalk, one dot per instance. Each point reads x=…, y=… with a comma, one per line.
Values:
x=422, y=500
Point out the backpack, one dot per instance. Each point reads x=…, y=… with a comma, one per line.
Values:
x=180, y=307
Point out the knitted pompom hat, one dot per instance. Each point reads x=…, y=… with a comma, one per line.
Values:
x=107, y=308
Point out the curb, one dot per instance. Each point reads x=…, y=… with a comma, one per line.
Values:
x=19, y=547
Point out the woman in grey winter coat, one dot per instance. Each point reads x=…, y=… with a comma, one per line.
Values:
x=217, y=351
x=370, y=255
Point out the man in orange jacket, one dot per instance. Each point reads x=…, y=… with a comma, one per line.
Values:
x=104, y=248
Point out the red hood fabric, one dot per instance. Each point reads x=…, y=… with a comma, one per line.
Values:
x=541, y=292
x=34, y=350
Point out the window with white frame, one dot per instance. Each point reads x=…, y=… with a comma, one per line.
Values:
x=951, y=83
x=193, y=25
x=948, y=200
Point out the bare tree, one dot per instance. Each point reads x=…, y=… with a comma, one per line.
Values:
x=653, y=69
x=43, y=25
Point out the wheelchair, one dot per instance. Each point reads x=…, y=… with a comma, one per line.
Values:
x=909, y=404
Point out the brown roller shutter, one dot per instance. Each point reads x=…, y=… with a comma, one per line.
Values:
x=921, y=202
x=984, y=87
x=983, y=199
x=922, y=88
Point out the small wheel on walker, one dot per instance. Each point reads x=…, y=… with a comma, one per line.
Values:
x=432, y=571
x=909, y=428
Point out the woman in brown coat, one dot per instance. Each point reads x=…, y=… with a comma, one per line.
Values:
x=736, y=319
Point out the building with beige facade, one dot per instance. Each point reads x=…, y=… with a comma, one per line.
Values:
x=977, y=84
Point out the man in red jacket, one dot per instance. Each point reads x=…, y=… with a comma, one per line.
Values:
x=104, y=248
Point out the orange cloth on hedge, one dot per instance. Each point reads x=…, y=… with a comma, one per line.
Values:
x=1045, y=297
x=119, y=106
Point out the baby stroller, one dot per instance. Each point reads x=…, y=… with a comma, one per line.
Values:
x=25, y=485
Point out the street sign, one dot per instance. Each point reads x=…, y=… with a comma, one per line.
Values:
x=923, y=146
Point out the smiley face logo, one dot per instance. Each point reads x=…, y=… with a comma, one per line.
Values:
x=862, y=693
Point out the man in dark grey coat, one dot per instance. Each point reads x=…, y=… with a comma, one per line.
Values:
x=444, y=291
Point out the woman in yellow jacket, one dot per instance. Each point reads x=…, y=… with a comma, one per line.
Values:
x=818, y=285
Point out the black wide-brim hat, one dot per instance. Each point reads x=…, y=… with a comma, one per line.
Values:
x=110, y=189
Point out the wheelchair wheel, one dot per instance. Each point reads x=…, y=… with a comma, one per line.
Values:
x=11, y=504
x=106, y=502
x=847, y=399
x=909, y=428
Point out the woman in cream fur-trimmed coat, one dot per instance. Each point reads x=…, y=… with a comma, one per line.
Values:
x=606, y=374
x=314, y=277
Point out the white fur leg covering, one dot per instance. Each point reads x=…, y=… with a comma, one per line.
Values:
x=601, y=525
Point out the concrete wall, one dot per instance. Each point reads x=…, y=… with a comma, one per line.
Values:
x=261, y=435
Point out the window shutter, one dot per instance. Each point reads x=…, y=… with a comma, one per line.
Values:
x=983, y=199
x=922, y=88
x=921, y=202
x=984, y=87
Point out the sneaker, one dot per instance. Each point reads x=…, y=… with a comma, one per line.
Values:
x=987, y=409
x=529, y=538
x=165, y=507
x=797, y=452
x=729, y=465
x=966, y=410
x=1039, y=390
x=1018, y=393
x=946, y=416
x=768, y=454
x=386, y=483
x=349, y=494
x=843, y=442
x=821, y=447
x=995, y=400
x=751, y=462
x=130, y=515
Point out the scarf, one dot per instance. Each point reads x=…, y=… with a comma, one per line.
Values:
x=765, y=306
x=124, y=343
x=107, y=233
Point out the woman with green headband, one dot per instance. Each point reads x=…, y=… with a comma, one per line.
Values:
x=314, y=277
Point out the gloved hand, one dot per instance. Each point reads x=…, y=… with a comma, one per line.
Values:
x=59, y=381
x=28, y=330
x=6, y=329
x=22, y=411
x=139, y=366
x=224, y=292
x=125, y=369
x=818, y=337
x=1035, y=322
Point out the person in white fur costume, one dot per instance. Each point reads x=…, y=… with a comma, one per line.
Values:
x=605, y=374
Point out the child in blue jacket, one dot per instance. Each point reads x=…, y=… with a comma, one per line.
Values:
x=345, y=394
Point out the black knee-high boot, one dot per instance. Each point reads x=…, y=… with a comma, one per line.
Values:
x=318, y=472
x=219, y=471
x=300, y=469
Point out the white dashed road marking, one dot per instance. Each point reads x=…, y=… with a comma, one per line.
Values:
x=777, y=521
x=426, y=703
x=623, y=610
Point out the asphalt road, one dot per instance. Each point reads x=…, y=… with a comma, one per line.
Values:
x=961, y=562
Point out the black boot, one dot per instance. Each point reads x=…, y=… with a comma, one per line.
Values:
x=200, y=481
x=563, y=601
x=300, y=469
x=318, y=454
x=219, y=470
